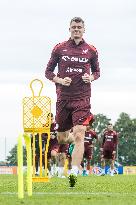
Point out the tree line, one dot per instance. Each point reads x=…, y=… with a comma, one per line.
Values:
x=126, y=129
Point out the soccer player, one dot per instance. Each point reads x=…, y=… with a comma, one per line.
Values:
x=53, y=148
x=37, y=150
x=108, y=148
x=77, y=67
x=90, y=136
x=64, y=154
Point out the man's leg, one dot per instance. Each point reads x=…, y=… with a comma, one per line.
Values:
x=54, y=157
x=103, y=166
x=61, y=163
x=89, y=158
x=88, y=166
x=86, y=159
x=63, y=150
x=37, y=164
x=112, y=161
x=63, y=139
x=77, y=155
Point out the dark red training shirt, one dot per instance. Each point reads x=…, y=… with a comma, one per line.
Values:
x=90, y=136
x=53, y=129
x=110, y=140
x=73, y=61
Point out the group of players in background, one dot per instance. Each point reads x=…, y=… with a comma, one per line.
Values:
x=59, y=154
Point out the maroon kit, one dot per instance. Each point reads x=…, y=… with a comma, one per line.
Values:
x=73, y=61
x=53, y=143
x=109, y=144
x=88, y=143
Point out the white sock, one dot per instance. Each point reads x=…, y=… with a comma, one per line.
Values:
x=103, y=171
x=74, y=170
x=55, y=169
x=87, y=171
x=52, y=171
x=69, y=171
x=112, y=171
x=60, y=171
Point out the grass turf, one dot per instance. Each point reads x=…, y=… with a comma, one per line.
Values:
x=120, y=190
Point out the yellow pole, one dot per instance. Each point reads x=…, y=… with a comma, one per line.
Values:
x=40, y=146
x=20, y=168
x=33, y=150
x=66, y=167
x=46, y=151
x=29, y=164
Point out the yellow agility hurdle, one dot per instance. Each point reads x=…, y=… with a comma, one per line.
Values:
x=36, y=121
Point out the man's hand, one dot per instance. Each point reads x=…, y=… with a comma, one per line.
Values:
x=52, y=135
x=114, y=152
x=63, y=81
x=66, y=81
x=87, y=78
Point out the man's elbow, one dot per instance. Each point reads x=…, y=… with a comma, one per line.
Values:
x=96, y=75
x=49, y=75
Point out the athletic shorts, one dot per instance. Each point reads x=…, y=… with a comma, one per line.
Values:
x=108, y=154
x=70, y=113
x=63, y=148
x=54, y=147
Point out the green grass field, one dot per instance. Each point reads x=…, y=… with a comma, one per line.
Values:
x=117, y=190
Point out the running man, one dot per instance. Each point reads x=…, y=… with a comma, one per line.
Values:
x=78, y=66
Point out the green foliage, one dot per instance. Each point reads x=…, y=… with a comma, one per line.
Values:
x=126, y=127
x=99, y=126
x=100, y=123
x=12, y=158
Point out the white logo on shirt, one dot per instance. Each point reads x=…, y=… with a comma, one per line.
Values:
x=70, y=70
x=85, y=51
x=75, y=59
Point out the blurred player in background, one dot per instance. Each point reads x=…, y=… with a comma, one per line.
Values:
x=53, y=149
x=89, y=142
x=108, y=148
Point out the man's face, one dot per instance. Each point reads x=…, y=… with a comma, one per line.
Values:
x=110, y=127
x=76, y=30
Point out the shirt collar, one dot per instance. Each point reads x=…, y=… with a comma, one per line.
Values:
x=73, y=42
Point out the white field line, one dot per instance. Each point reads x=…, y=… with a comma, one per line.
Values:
x=72, y=193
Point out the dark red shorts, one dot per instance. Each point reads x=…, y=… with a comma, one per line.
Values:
x=70, y=113
x=63, y=148
x=54, y=147
x=88, y=151
x=108, y=154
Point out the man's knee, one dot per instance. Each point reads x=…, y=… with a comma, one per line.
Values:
x=62, y=156
x=70, y=138
x=79, y=132
x=63, y=148
x=62, y=137
x=112, y=162
x=53, y=153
